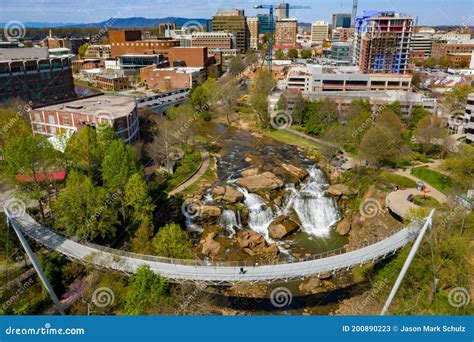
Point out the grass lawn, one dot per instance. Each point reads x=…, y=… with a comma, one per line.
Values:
x=428, y=202
x=208, y=177
x=435, y=179
x=290, y=139
x=401, y=181
x=184, y=168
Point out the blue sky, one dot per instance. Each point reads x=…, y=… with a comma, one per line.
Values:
x=429, y=12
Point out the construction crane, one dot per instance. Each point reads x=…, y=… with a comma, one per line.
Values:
x=271, y=9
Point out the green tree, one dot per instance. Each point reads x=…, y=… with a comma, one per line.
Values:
x=118, y=165
x=259, y=90
x=172, y=242
x=457, y=97
x=82, y=49
x=30, y=156
x=279, y=55
x=306, y=54
x=146, y=291
x=137, y=199
x=142, y=239
x=429, y=132
x=85, y=210
x=384, y=141
x=417, y=113
x=461, y=166
x=13, y=124
x=395, y=107
x=292, y=54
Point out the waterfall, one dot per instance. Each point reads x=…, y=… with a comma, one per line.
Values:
x=260, y=216
x=228, y=220
x=192, y=227
x=316, y=211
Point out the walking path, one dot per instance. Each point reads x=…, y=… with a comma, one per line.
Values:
x=195, y=177
x=215, y=272
x=436, y=194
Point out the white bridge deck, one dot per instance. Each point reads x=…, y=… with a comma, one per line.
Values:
x=215, y=272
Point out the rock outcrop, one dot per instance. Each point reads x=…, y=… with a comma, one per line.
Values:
x=310, y=286
x=344, y=226
x=227, y=194
x=282, y=227
x=295, y=171
x=250, y=172
x=209, y=211
x=263, y=181
x=340, y=190
x=209, y=245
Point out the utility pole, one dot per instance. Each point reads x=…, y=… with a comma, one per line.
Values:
x=428, y=223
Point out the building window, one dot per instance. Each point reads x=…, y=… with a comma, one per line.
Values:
x=53, y=129
x=51, y=119
x=66, y=121
x=39, y=128
x=37, y=117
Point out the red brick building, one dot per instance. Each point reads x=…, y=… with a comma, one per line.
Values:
x=167, y=79
x=129, y=42
x=118, y=111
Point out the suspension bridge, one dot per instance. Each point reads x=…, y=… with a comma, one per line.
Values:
x=215, y=272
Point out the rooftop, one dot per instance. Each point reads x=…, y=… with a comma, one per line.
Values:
x=23, y=53
x=99, y=106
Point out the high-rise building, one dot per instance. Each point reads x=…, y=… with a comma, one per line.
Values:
x=319, y=32
x=456, y=52
x=341, y=20
x=382, y=42
x=252, y=26
x=232, y=21
x=264, y=25
x=421, y=43
x=32, y=74
x=282, y=10
x=285, y=32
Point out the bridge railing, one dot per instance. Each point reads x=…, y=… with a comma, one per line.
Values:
x=213, y=263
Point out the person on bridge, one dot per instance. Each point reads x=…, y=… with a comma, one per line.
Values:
x=242, y=271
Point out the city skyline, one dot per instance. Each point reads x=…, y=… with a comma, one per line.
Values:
x=438, y=12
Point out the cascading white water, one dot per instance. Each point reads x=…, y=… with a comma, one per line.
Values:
x=316, y=211
x=260, y=216
x=228, y=220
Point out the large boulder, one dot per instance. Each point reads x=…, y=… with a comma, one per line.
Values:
x=340, y=190
x=282, y=227
x=210, y=211
x=250, y=239
x=209, y=245
x=227, y=194
x=310, y=286
x=250, y=172
x=263, y=181
x=344, y=226
x=295, y=171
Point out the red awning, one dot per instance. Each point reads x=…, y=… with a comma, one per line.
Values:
x=42, y=177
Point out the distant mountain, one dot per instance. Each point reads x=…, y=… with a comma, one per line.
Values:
x=121, y=23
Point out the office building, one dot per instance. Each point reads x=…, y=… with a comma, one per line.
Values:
x=457, y=52
x=341, y=20
x=98, y=51
x=252, y=25
x=282, y=10
x=285, y=32
x=32, y=74
x=171, y=78
x=264, y=24
x=72, y=115
x=214, y=40
x=232, y=21
x=340, y=52
x=319, y=32
x=421, y=43
x=382, y=42
x=130, y=42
